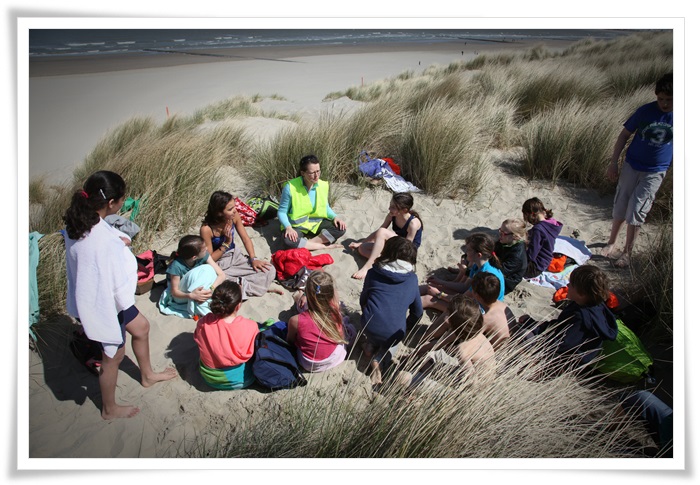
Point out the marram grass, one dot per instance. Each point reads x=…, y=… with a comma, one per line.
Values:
x=522, y=404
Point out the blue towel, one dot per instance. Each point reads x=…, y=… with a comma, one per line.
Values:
x=203, y=275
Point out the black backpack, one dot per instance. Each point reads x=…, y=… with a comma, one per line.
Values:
x=274, y=364
x=88, y=352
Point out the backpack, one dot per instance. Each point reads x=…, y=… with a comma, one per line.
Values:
x=87, y=351
x=266, y=207
x=248, y=215
x=274, y=364
x=624, y=359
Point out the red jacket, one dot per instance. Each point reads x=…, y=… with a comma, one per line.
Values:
x=289, y=261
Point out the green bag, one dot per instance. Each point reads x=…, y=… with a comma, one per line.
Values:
x=624, y=359
x=266, y=207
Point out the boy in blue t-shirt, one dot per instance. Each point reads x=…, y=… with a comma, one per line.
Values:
x=648, y=158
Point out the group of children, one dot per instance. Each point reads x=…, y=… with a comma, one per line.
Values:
x=209, y=277
x=211, y=271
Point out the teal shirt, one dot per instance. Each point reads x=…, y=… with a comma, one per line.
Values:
x=179, y=268
x=490, y=269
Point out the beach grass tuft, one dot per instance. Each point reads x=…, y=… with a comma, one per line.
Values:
x=521, y=404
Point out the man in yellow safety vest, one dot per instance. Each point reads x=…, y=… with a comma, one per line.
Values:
x=306, y=217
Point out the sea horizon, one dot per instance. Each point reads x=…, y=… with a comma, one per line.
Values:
x=71, y=43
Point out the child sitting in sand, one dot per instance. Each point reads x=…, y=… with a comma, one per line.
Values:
x=541, y=237
x=463, y=346
x=511, y=252
x=219, y=227
x=585, y=322
x=191, y=277
x=389, y=292
x=226, y=341
x=319, y=333
x=404, y=221
x=497, y=315
x=480, y=257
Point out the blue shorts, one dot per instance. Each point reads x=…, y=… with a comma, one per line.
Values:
x=125, y=317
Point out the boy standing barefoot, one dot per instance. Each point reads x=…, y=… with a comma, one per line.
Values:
x=648, y=158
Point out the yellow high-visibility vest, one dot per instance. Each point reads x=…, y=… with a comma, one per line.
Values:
x=302, y=215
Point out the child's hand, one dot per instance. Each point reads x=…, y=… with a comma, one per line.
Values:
x=127, y=241
x=523, y=319
x=260, y=265
x=227, y=232
x=200, y=295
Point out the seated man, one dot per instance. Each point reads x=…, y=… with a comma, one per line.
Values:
x=306, y=216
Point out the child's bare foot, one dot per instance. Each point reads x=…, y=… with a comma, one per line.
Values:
x=360, y=275
x=277, y=291
x=355, y=245
x=607, y=250
x=623, y=261
x=120, y=412
x=166, y=375
x=375, y=377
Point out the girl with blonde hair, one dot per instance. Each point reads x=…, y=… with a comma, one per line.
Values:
x=511, y=251
x=320, y=334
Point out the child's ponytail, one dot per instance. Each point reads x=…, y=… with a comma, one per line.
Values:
x=404, y=200
x=482, y=243
x=97, y=191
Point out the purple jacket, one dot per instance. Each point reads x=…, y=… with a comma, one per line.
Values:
x=540, y=243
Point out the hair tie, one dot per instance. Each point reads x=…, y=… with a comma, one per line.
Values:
x=318, y=289
x=103, y=194
x=84, y=194
x=493, y=253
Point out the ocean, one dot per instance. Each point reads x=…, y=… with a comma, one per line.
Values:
x=77, y=42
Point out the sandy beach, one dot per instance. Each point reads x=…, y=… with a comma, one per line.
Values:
x=72, y=104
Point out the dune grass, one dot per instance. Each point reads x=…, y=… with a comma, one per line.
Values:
x=529, y=406
x=651, y=284
x=573, y=141
x=442, y=150
x=564, y=109
x=51, y=272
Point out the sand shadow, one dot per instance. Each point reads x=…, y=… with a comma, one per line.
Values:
x=272, y=235
x=66, y=377
x=184, y=353
x=461, y=234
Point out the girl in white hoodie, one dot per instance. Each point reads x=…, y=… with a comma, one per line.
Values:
x=102, y=275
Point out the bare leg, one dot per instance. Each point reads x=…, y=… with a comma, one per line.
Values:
x=368, y=239
x=632, y=233
x=139, y=329
x=429, y=302
x=320, y=242
x=381, y=236
x=375, y=376
x=616, y=226
x=109, y=370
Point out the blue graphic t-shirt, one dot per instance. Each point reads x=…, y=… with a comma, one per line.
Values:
x=651, y=149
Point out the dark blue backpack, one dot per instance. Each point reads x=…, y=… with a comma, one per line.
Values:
x=274, y=364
